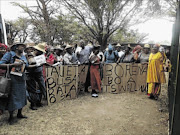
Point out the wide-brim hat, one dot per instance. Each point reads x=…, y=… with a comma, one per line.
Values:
x=147, y=46
x=41, y=47
x=118, y=45
x=29, y=45
x=17, y=44
x=58, y=47
x=68, y=46
x=96, y=45
x=129, y=45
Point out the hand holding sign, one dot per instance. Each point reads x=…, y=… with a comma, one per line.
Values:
x=40, y=60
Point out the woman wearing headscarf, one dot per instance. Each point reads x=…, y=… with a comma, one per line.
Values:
x=155, y=73
x=110, y=55
x=17, y=98
x=95, y=73
x=137, y=52
x=3, y=101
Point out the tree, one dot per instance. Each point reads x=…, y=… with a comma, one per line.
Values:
x=18, y=29
x=69, y=30
x=170, y=7
x=128, y=36
x=104, y=17
x=41, y=16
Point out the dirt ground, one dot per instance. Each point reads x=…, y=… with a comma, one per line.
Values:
x=109, y=114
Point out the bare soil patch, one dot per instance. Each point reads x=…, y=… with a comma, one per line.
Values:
x=109, y=114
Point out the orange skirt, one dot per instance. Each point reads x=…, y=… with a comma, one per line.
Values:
x=95, y=77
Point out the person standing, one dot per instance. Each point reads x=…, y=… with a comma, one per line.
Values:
x=83, y=55
x=101, y=57
x=144, y=56
x=119, y=50
x=110, y=56
x=58, y=54
x=17, y=98
x=127, y=57
x=155, y=73
x=33, y=89
x=95, y=74
x=69, y=57
x=137, y=53
x=37, y=71
x=3, y=101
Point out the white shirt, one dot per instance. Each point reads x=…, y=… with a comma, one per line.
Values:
x=67, y=58
x=120, y=54
x=78, y=50
x=100, y=55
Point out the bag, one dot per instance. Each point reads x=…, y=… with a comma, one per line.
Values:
x=5, y=84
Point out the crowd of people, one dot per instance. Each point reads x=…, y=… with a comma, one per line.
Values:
x=31, y=84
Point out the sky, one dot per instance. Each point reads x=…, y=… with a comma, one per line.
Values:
x=158, y=30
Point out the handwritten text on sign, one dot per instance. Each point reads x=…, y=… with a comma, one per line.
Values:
x=124, y=77
x=62, y=82
x=65, y=81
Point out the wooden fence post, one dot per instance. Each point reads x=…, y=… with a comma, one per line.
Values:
x=174, y=81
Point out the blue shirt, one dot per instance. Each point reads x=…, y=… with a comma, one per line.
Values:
x=9, y=58
x=110, y=58
x=84, y=54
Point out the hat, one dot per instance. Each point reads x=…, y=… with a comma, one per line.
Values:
x=129, y=46
x=30, y=45
x=41, y=47
x=118, y=45
x=13, y=47
x=68, y=46
x=89, y=44
x=96, y=45
x=58, y=47
x=146, y=46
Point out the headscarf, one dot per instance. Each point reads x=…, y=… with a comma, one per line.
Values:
x=110, y=47
x=5, y=46
x=136, y=48
x=157, y=45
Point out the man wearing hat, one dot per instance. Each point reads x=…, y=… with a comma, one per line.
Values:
x=127, y=57
x=58, y=53
x=69, y=57
x=144, y=56
x=17, y=99
x=119, y=50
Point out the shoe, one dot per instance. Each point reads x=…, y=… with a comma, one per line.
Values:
x=93, y=95
x=20, y=116
x=39, y=104
x=1, y=112
x=96, y=95
x=33, y=108
x=12, y=121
